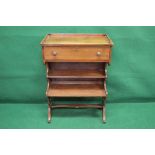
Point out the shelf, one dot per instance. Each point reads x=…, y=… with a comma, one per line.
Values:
x=76, y=90
x=77, y=106
x=76, y=74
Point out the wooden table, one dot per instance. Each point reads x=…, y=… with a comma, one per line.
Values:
x=76, y=67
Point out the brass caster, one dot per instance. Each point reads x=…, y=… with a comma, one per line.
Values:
x=104, y=121
x=49, y=120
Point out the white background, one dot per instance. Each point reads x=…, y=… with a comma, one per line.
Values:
x=77, y=13
x=77, y=142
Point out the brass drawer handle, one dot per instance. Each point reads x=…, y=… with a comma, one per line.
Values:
x=54, y=53
x=98, y=53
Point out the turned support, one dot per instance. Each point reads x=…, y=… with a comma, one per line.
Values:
x=104, y=111
x=49, y=110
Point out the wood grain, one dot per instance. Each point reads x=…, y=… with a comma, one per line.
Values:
x=76, y=67
x=76, y=81
x=77, y=54
x=76, y=74
x=99, y=106
x=76, y=90
x=76, y=39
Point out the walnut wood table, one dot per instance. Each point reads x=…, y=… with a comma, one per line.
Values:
x=76, y=67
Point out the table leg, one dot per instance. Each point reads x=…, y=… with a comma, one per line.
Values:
x=104, y=112
x=49, y=110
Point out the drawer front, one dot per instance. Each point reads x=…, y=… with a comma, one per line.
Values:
x=79, y=54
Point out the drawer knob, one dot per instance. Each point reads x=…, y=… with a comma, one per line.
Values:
x=98, y=53
x=54, y=53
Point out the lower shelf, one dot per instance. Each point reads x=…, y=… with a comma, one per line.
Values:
x=99, y=106
x=76, y=90
x=76, y=74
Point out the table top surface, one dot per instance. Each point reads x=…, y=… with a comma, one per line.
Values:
x=76, y=39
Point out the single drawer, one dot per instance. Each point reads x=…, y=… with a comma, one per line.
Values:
x=76, y=54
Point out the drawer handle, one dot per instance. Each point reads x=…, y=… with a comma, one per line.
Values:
x=54, y=53
x=98, y=53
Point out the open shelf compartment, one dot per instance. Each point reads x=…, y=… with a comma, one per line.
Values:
x=76, y=70
x=76, y=88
